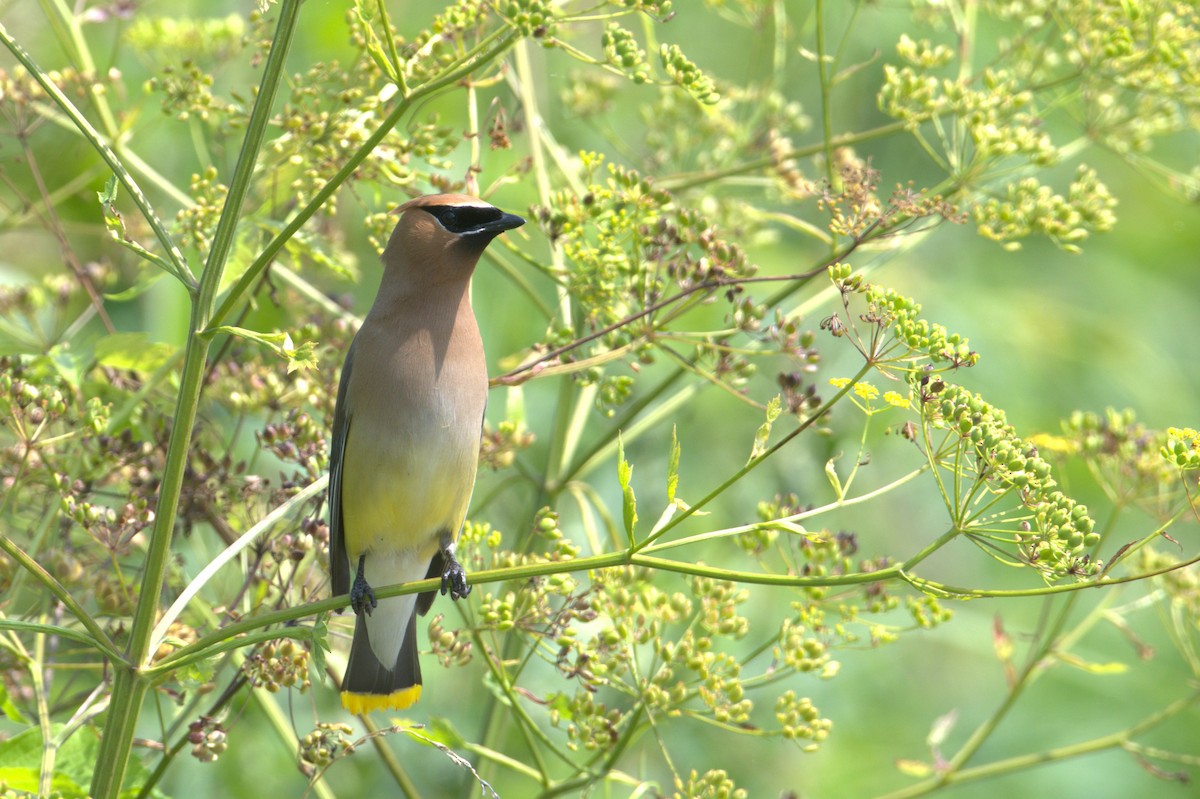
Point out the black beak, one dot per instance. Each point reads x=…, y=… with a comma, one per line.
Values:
x=497, y=226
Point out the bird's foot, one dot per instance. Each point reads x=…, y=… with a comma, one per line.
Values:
x=362, y=598
x=454, y=578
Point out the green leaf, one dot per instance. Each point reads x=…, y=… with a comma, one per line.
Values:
x=74, y=764
x=279, y=342
x=774, y=407
x=109, y=195
x=629, y=502
x=116, y=226
x=561, y=704
x=320, y=642
x=442, y=731
x=673, y=467
x=11, y=711
x=831, y=474
x=134, y=291
x=133, y=351
x=365, y=9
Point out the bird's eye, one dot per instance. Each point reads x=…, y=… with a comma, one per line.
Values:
x=449, y=218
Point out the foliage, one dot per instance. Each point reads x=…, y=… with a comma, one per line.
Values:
x=706, y=239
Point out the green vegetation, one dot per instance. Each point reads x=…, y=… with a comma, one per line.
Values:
x=737, y=484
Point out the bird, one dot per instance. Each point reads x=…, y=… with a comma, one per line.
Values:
x=405, y=442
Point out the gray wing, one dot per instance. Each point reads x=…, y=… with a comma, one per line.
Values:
x=339, y=566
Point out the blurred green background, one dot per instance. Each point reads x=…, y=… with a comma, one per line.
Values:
x=1115, y=326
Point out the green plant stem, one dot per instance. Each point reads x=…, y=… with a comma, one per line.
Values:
x=69, y=633
x=96, y=635
x=130, y=682
x=287, y=734
x=70, y=35
x=823, y=77
x=1023, y=762
x=682, y=182
x=490, y=49
x=755, y=461
x=178, y=264
x=403, y=781
x=1046, y=641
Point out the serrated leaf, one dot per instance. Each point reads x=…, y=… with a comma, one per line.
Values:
x=774, y=407
x=109, y=195
x=133, y=351
x=629, y=501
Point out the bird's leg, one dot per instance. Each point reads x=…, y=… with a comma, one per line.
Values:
x=454, y=577
x=362, y=598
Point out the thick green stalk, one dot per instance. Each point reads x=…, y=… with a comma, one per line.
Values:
x=131, y=683
x=489, y=50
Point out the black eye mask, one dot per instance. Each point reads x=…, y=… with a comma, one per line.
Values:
x=471, y=220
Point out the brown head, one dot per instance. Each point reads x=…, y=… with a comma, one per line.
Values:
x=440, y=237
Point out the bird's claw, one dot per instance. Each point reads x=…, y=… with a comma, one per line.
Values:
x=362, y=597
x=454, y=580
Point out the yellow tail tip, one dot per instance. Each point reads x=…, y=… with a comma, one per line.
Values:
x=396, y=700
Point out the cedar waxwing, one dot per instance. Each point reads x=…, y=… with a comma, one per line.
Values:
x=406, y=436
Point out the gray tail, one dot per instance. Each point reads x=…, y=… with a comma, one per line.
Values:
x=370, y=685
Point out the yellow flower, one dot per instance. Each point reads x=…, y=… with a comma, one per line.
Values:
x=866, y=391
x=1056, y=444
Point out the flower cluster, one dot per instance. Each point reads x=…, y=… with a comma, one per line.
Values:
x=208, y=739
x=186, y=91
x=687, y=75
x=195, y=224
x=278, y=664
x=439, y=46
x=659, y=9
x=182, y=38
x=1001, y=118
x=319, y=748
x=451, y=647
x=533, y=18
x=622, y=51
x=1052, y=532
x=712, y=784
x=917, y=337
x=801, y=721
x=630, y=247
x=1125, y=456
x=1182, y=448
x=1029, y=207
